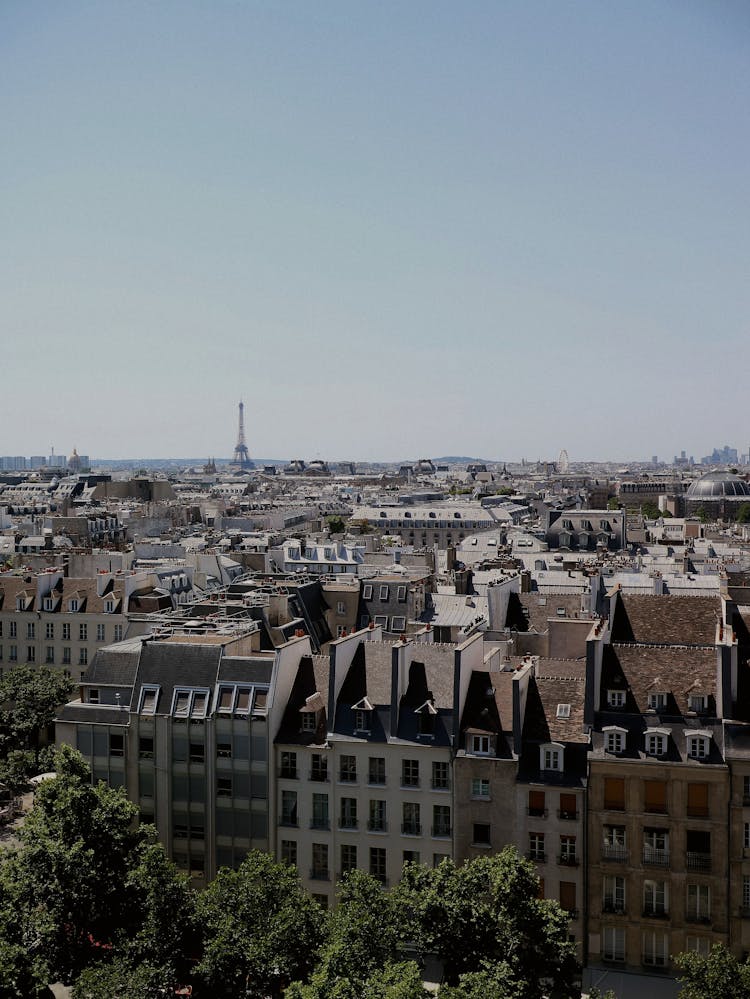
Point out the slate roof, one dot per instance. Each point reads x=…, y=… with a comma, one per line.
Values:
x=114, y=665
x=94, y=714
x=171, y=666
x=532, y=611
x=312, y=677
x=666, y=620
x=541, y=723
x=676, y=671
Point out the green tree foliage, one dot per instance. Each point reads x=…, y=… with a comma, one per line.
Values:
x=718, y=976
x=650, y=510
x=119, y=979
x=362, y=946
x=336, y=525
x=29, y=699
x=487, y=913
x=743, y=514
x=259, y=928
x=88, y=885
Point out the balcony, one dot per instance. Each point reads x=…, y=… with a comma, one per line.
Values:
x=320, y=822
x=348, y=822
x=537, y=813
x=568, y=860
x=377, y=825
x=411, y=828
x=320, y=874
x=615, y=854
x=564, y=814
x=441, y=832
x=655, y=858
x=348, y=777
x=698, y=862
x=407, y=782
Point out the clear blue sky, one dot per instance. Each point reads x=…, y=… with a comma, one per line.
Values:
x=394, y=228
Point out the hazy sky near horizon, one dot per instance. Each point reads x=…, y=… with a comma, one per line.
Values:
x=394, y=229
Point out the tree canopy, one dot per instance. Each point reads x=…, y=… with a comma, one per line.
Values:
x=29, y=699
x=717, y=976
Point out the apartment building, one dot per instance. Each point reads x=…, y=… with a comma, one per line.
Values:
x=364, y=758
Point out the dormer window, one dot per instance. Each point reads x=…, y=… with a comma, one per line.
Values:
x=481, y=745
x=698, y=703
x=616, y=698
x=657, y=701
x=362, y=715
x=426, y=714
x=109, y=606
x=568, y=525
x=149, y=699
x=401, y=594
x=48, y=603
x=698, y=745
x=614, y=739
x=565, y=539
x=551, y=756
x=656, y=742
x=73, y=605
x=309, y=721
x=367, y=591
x=383, y=592
x=563, y=711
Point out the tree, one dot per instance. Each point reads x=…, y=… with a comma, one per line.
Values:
x=363, y=939
x=718, y=976
x=29, y=699
x=119, y=979
x=88, y=885
x=487, y=913
x=336, y=525
x=743, y=514
x=259, y=929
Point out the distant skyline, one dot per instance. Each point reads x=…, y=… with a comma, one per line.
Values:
x=503, y=228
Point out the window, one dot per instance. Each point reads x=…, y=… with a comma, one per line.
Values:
x=697, y=703
x=746, y=790
x=93, y=695
x=83, y=632
x=655, y=898
x=109, y=606
x=197, y=752
x=614, y=845
x=308, y=721
x=698, y=747
x=242, y=703
x=320, y=819
x=362, y=720
x=288, y=808
x=697, y=800
x=376, y=770
x=224, y=751
x=698, y=908
x=537, y=805
x=411, y=856
x=568, y=897
x=656, y=847
x=367, y=591
x=116, y=744
x=655, y=949
x=401, y=593
x=481, y=745
x=146, y=747
x=563, y=711
x=377, y=821
x=48, y=603
x=657, y=701
x=13, y=653
x=698, y=945
x=149, y=700
x=320, y=870
x=656, y=743
x=73, y=606
x=568, y=807
x=348, y=858
x=568, y=851
x=31, y=630
x=655, y=796
x=100, y=633
x=83, y=657
x=49, y=631
x=181, y=703
x=411, y=825
x=348, y=819
x=551, y=757
x=613, y=943
x=383, y=592
x=616, y=698
x=289, y=852
x=410, y=773
x=14, y=630
x=746, y=836
x=614, y=894
x=398, y=624
x=440, y=776
x=65, y=632
x=480, y=787
x=614, y=793
x=536, y=846
x=378, y=863
x=746, y=894
x=340, y=607
x=117, y=637
x=438, y=858
x=615, y=740
x=223, y=787
x=348, y=769
x=441, y=820
x=319, y=768
x=481, y=834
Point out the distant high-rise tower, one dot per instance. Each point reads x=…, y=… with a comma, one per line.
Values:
x=241, y=457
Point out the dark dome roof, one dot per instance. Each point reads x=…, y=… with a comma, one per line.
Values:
x=717, y=485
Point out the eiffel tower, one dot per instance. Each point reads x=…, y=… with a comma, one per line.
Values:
x=241, y=457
